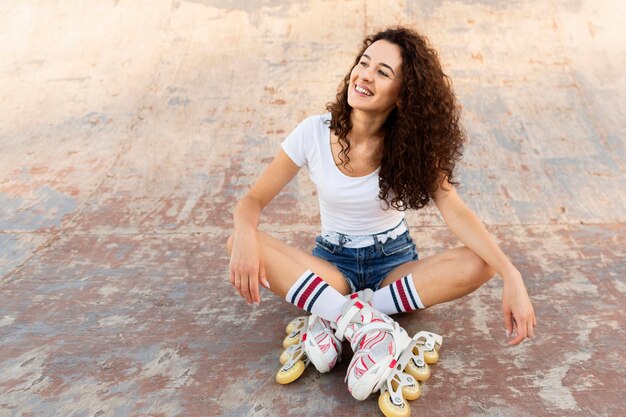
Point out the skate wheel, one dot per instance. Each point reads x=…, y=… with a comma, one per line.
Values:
x=431, y=356
x=286, y=376
x=421, y=373
x=294, y=324
x=411, y=392
x=389, y=409
x=284, y=357
x=291, y=339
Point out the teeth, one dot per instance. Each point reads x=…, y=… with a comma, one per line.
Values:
x=362, y=91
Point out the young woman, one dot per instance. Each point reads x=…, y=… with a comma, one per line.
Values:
x=389, y=142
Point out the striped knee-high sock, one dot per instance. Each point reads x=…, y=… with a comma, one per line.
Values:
x=398, y=297
x=313, y=294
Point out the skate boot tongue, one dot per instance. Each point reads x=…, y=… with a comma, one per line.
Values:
x=350, y=316
x=365, y=295
x=358, y=319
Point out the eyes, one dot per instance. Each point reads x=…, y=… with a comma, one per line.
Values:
x=380, y=72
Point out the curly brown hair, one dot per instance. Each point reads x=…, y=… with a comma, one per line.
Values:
x=423, y=137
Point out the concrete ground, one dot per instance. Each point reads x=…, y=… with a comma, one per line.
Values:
x=128, y=130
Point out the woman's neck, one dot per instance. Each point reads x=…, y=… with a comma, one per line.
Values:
x=366, y=128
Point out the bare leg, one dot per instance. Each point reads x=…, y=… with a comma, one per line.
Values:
x=284, y=264
x=445, y=276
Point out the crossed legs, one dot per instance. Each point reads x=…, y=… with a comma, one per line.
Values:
x=438, y=278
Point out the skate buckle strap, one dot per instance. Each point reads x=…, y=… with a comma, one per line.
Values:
x=368, y=328
x=392, y=364
x=400, y=338
x=345, y=319
x=304, y=337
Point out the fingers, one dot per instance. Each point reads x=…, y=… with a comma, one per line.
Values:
x=518, y=310
x=246, y=288
x=254, y=290
x=263, y=276
x=247, y=285
x=531, y=325
x=246, y=280
x=508, y=322
x=524, y=329
x=238, y=283
x=521, y=335
x=258, y=277
x=241, y=285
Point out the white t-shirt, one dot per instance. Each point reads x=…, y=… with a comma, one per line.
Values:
x=348, y=205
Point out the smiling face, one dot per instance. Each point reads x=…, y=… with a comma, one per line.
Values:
x=376, y=80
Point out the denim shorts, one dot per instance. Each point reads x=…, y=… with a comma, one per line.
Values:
x=367, y=267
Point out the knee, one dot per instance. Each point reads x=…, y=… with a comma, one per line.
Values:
x=480, y=271
x=229, y=244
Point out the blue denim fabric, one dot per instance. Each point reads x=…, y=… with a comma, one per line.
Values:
x=367, y=267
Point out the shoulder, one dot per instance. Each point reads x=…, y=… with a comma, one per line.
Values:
x=312, y=128
x=446, y=198
x=308, y=132
x=316, y=121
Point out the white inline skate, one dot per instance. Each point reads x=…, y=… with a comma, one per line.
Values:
x=385, y=358
x=309, y=339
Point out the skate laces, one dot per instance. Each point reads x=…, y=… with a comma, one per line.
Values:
x=373, y=336
x=322, y=332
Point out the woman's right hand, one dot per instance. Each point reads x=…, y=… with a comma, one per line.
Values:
x=246, y=267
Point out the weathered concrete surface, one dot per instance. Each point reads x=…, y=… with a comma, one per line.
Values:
x=129, y=129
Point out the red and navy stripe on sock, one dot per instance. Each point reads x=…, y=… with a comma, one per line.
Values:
x=404, y=295
x=308, y=292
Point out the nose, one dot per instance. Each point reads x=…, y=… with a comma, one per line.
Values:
x=365, y=74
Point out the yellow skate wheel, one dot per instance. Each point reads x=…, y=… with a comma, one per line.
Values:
x=411, y=392
x=284, y=357
x=291, y=339
x=389, y=409
x=431, y=356
x=294, y=324
x=421, y=373
x=287, y=376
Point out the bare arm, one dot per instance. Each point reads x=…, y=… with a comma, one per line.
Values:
x=268, y=185
x=517, y=309
x=246, y=267
x=470, y=230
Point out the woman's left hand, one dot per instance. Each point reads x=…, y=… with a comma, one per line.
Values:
x=519, y=315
